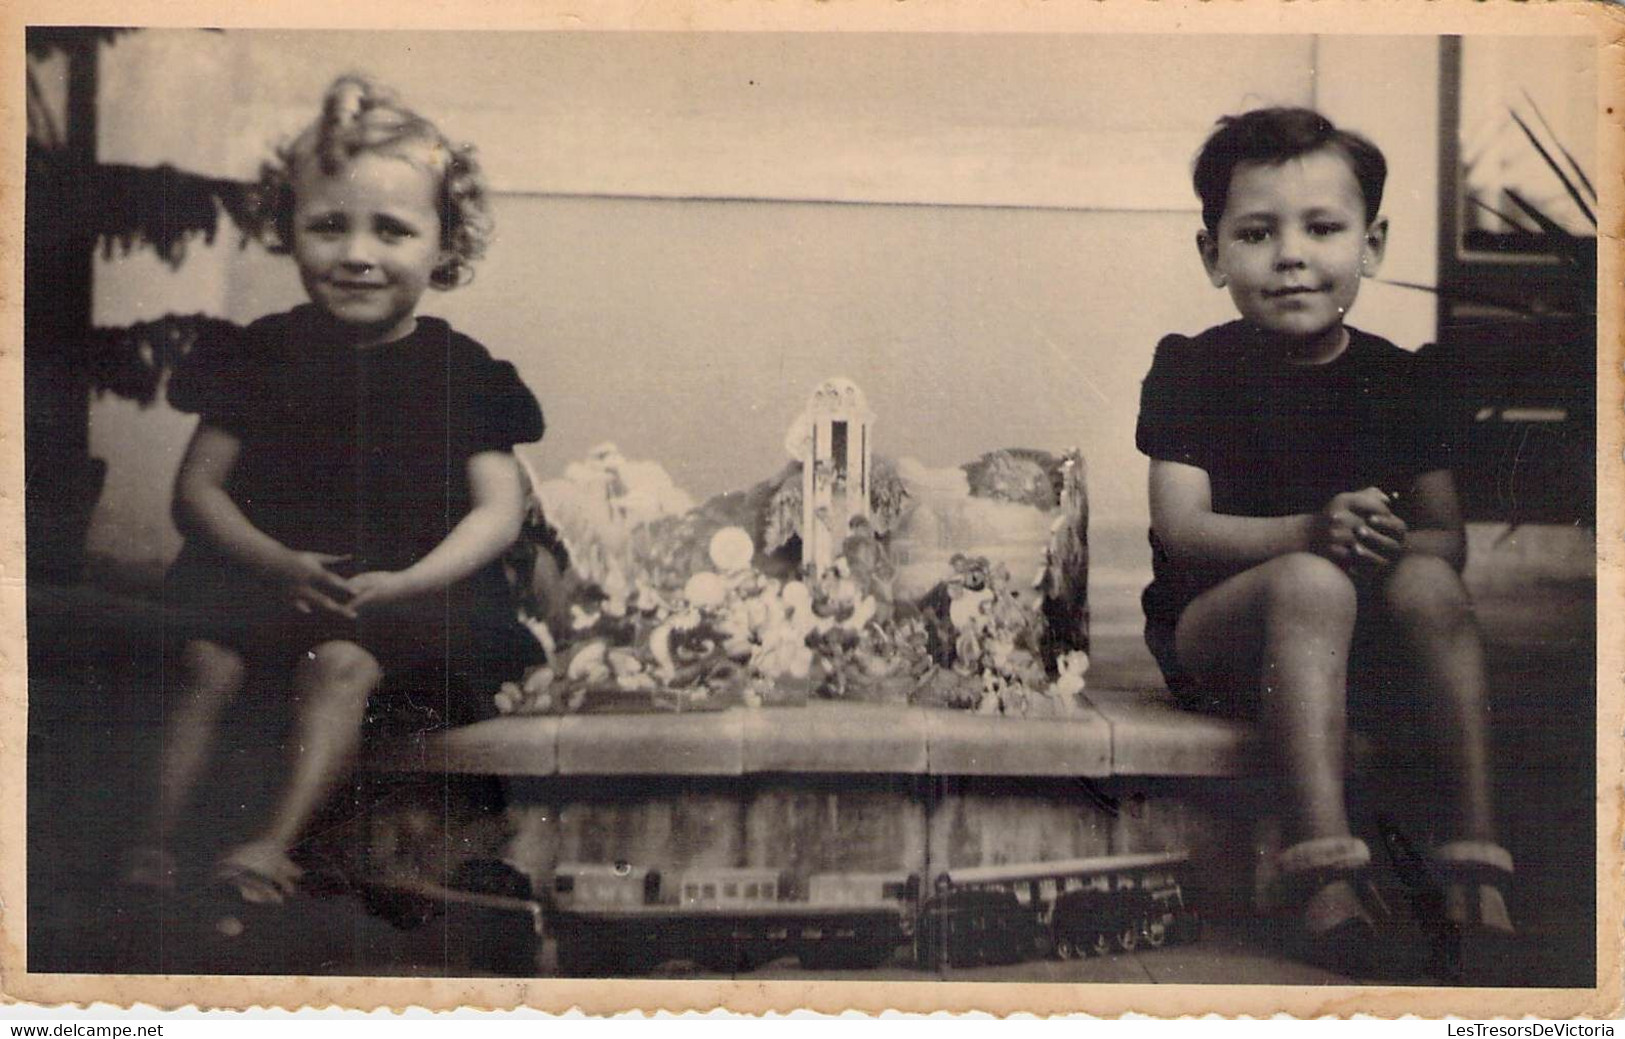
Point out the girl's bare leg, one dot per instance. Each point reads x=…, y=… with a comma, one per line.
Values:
x=331, y=687
x=1433, y=619
x=213, y=676
x=1289, y=621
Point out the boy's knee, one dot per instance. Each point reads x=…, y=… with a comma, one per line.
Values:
x=343, y=664
x=1426, y=591
x=1302, y=585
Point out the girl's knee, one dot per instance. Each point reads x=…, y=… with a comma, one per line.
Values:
x=1306, y=587
x=1425, y=592
x=212, y=668
x=342, y=665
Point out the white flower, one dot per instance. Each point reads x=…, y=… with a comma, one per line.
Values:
x=999, y=650
x=538, y=680
x=539, y=629
x=861, y=615
x=580, y=619
x=660, y=649
x=758, y=613
x=797, y=597
x=616, y=586
x=705, y=589
x=624, y=662
x=966, y=606
x=1074, y=663
x=731, y=550
x=588, y=660
x=509, y=698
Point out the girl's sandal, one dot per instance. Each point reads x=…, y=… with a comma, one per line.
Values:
x=246, y=896
x=1472, y=940
x=151, y=868
x=256, y=876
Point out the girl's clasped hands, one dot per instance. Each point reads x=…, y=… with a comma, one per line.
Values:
x=313, y=585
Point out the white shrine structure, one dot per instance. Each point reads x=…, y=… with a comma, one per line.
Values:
x=835, y=470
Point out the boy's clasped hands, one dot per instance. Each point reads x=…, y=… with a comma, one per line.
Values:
x=1359, y=531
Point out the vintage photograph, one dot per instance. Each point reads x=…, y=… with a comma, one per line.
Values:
x=1062, y=507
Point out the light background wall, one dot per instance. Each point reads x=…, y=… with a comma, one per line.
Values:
x=989, y=234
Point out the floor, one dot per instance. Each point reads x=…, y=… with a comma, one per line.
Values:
x=342, y=935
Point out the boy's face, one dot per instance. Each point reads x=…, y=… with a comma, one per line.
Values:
x=366, y=240
x=1293, y=244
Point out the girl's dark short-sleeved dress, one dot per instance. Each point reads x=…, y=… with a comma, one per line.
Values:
x=362, y=453
x=1278, y=439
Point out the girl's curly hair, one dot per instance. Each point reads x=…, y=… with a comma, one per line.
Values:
x=360, y=116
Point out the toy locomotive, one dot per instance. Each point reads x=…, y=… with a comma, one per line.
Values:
x=1075, y=907
x=625, y=919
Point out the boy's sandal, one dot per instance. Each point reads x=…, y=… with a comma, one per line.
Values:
x=1472, y=938
x=1324, y=883
x=1475, y=876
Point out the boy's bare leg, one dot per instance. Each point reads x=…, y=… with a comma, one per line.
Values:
x=1433, y=617
x=214, y=675
x=331, y=687
x=1290, y=621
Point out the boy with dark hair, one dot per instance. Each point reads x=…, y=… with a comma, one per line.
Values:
x=1302, y=505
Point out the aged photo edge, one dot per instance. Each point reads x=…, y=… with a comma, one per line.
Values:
x=1606, y=21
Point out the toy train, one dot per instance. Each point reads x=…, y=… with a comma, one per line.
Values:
x=1074, y=907
x=626, y=919
x=621, y=919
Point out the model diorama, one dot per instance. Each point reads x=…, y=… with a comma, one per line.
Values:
x=846, y=576
x=622, y=919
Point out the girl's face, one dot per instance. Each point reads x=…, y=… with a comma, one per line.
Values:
x=366, y=240
x=1293, y=245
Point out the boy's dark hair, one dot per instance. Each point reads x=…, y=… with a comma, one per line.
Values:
x=1271, y=136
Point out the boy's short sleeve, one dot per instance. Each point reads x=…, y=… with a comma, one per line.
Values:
x=1432, y=415
x=1175, y=401
x=498, y=410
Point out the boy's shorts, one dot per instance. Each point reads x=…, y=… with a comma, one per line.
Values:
x=1376, y=679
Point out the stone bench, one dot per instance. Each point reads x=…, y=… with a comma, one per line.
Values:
x=1119, y=733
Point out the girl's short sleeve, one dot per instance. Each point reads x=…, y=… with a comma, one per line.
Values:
x=1174, y=400
x=217, y=381
x=498, y=410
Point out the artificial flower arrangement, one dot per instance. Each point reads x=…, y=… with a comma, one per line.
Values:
x=684, y=610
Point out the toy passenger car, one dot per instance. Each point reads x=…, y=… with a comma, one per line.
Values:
x=625, y=920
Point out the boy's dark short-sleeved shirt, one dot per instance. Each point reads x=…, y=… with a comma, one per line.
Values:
x=361, y=453
x=1278, y=439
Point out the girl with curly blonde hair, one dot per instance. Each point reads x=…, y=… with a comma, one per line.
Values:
x=351, y=483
